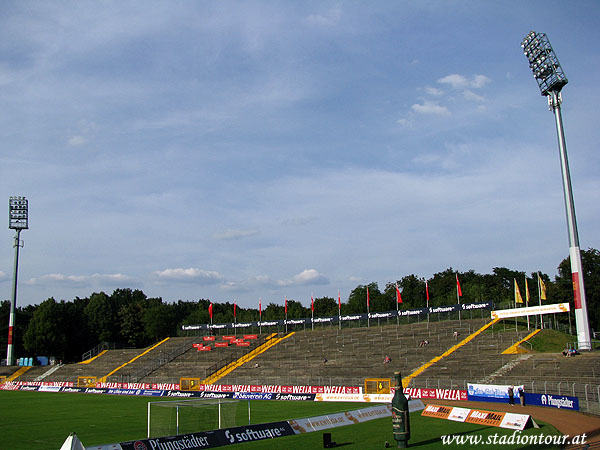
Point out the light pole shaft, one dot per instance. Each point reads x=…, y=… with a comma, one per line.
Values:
x=581, y=315
x=13, y=304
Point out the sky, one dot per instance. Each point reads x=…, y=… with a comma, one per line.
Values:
x=233, y=151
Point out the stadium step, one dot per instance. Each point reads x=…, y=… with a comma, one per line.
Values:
x=18, y=373
x=406, y=380
x=271, y=341
x=506, y=368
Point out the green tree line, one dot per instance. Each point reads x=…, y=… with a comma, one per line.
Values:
x=67, y=329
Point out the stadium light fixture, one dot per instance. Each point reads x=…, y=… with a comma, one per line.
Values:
x=551, y=78
x=18, y=219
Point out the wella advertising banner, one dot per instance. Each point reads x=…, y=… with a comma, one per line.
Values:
x=531, y=311
x=436, y=394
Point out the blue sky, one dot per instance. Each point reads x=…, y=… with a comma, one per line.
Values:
x=245, y=150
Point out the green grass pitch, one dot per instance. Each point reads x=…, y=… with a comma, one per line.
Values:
x=42, y=421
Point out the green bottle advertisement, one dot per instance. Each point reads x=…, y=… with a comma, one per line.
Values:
x=400, y=417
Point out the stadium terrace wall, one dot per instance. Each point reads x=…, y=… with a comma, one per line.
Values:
x=347, y=317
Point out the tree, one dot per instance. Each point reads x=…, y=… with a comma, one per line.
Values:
x=325, y=307
x=357, y=301
x=102, y=318
x=562, y=290
x=296, y=310
x=78, y=338
x=132, y=325
x=413, y=292
x=160, y=321
x=45, y=332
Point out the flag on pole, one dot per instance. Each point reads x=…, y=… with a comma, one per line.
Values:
x=234, y=305
x=526, y=292
x=367, y=297
x=312, y=303
x=286, y=306
x=542, y=288
x=427, y=292
x=518, y=298
x=260, y=309
x=458, y=287
x=339, y=301
x=398, y=296
x=210, y=311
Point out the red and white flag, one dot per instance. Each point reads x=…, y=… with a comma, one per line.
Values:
x=339, y=301
x=367, y=297
x=427, y=291
x=398, y=296
x=458, y=286
x=312, y=303
x=210, y=310
x=286, y=306
x=260, y=308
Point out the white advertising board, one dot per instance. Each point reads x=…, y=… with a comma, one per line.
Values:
x=531, y=311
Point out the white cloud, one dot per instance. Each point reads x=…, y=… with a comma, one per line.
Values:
x=330, y=18
x=428, y=107
x=235, y=234
x=461, y=82
x=80, y=280
x=433, y=91
x=192, y=274
x=472, y=96
x=307, y=276
x=76, y=141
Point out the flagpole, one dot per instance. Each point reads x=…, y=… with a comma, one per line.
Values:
x=339, y=310
x=397, y=306
x=260, y=315
x=427, y=295
x=312, y=312
x=368, y=310
x=458, y=296
x=540, y=303
x=516, y=287
x=527, y=299
x=286, y=330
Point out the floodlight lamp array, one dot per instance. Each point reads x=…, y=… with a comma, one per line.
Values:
x=18, y=215
x=543, y=62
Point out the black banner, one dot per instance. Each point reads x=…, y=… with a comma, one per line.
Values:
x=215, y=438
x=336, y=319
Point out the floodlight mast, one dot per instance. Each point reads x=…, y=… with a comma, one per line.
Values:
x=551, y=78
x=18, y=219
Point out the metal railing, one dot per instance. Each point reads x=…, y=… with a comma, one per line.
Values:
x=588, y=393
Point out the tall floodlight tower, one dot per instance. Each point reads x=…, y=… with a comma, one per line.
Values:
x=18, y=219
x=550, y=77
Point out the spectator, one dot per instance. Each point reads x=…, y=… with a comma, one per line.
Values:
x=511, y=395
x=387, y=359
x=455, y=334
x=521, y=392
